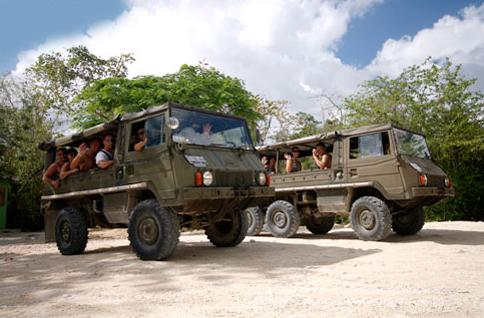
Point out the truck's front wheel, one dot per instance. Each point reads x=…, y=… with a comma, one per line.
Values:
x=256, y=220
x=321, y=225
x=409, y=222
x=282, y=219
x=229, y=230
x=71, y=231
x=153, y=231
x=371, y=219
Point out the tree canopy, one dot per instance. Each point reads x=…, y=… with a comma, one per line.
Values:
x=200, y=85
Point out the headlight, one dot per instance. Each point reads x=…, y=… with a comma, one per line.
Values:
x=262, y=178
x=207, y=178
x=447, y=182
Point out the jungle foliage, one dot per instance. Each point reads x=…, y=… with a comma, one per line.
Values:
x=22, y=126
x=200, y=85
x=438, y=101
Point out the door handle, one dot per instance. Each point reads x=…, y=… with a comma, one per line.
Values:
x=353, y=172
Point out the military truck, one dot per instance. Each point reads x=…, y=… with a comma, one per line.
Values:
x=182, y=179
x=381, y=176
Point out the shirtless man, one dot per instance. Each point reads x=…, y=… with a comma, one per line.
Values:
x=104, y=158
x=66, y=167
x=320, y=157
x=51, y=175
x=85, y=157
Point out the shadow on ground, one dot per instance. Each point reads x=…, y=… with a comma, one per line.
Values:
x=440, y=236
x=191, y=261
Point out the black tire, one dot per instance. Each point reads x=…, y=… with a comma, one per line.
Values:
x=255, y=218
x=229, y=231
x=371, y=219
x=282, y=219
x=321, y=225
x=409, y=222
x=153, y=231
x=71, y=231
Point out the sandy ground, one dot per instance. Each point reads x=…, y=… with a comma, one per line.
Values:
x=437, y=273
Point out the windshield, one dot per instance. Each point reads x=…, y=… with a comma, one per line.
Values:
x=411, y=144
x=199, y=128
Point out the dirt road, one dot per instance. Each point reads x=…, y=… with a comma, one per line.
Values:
x=436, y=273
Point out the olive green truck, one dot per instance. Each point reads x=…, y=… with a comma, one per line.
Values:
x=184, y=178
x=381, y=176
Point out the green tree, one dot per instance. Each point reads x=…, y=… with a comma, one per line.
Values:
x=201, y=86
x=304, y=125
x=272, y=114
x=439, y=102
x=58, y=78
x=22, y=127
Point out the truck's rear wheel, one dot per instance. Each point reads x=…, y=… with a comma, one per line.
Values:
x=409, y=222
x=282, y=219
x=71, y=231
x=229, y=230
x=320, y=225
x=153, y=231
x=256, y=220
x=371, y=218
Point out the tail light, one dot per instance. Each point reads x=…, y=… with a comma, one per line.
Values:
x=268, y=180
x=423, y=180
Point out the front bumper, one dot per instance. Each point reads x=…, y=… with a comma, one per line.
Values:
x=432, y=192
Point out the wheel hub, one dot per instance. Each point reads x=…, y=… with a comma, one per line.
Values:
x=148, y=231
x=367, y=219
x=280, y=219
x=250, y=219
x=66, y=231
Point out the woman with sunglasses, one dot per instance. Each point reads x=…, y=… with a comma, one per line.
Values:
x=292, y=163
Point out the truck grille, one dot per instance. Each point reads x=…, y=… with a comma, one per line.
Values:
x=234, y=179
x=435, y=181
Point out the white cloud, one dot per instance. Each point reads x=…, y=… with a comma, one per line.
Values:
x=460, y=38
x=282, y=49
x=272, y=45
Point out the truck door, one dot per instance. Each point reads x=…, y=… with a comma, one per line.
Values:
x=152, y=162
x=370, y=157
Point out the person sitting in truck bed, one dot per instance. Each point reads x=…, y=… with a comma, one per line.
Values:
x=104, y=157
x=292, y=162
x=269, y=164
x=321, y=158
x=51, y=175
x=85, y=158
x=66, y=167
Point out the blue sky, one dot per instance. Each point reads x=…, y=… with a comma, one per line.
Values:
x=282, y=49
x=392, y=19
x=27, y=23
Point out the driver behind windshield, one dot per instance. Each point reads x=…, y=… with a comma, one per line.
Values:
x=201, y=136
